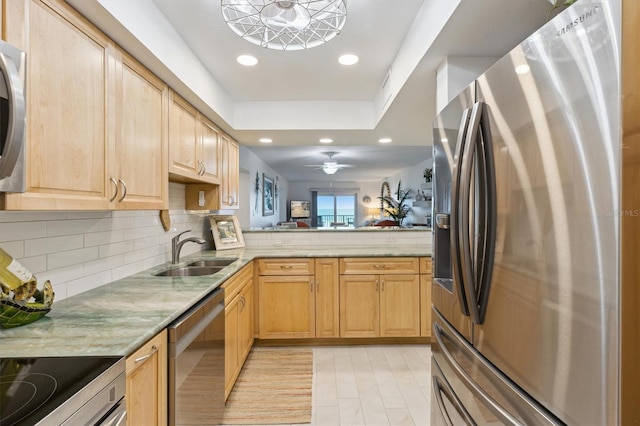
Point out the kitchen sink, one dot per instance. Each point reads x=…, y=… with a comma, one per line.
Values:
x=212, y=262
x=189, y=271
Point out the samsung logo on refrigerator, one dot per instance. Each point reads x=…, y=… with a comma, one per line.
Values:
x=579, y=20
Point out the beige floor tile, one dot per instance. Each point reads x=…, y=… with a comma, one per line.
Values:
x=350, y=411
x=371, y=385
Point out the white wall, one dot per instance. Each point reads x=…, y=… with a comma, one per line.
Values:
x=457, y=72
x=251, y=164
x=78, y=251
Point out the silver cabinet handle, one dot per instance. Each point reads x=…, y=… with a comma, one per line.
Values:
x=204, y=169
x=115, y=194
x=15, y=132
x=242, y=300
x=382, y=285
x=124, y=190
x=377, y=283
x=154, y=349
x=311, y=285
x=318, y=285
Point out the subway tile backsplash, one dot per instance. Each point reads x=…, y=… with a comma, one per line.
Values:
x=78, y=251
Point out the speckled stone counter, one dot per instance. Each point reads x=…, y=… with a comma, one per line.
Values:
x=117, y=318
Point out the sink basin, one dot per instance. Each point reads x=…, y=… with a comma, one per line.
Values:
x=212, y=262
x=190, y=271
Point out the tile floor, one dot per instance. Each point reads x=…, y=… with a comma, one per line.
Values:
x=371, y=385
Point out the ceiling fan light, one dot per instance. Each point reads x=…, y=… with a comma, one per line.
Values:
x=285, y=25
x=330, y=169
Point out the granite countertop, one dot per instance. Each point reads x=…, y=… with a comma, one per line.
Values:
x=119, y=317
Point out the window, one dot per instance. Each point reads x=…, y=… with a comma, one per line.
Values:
x=336, y=210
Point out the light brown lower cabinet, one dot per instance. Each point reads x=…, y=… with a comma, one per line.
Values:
x=298, y=298
x=379, y=305
x=146, y=393
x=238, y=324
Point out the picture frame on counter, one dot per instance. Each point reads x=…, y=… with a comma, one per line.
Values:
x=268, y=195
x=226, y=231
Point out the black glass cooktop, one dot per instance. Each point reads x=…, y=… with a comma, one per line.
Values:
x=31, y=388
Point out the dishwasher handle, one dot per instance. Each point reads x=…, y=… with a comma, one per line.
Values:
x=188, y=333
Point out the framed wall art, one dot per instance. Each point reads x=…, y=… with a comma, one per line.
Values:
x=226, y=232
x=268, y=196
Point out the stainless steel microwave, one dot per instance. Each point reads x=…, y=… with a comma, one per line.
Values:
x=12, y=118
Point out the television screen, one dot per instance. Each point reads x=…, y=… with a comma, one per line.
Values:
x=300, y=209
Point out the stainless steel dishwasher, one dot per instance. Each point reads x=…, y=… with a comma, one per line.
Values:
x=196, y=363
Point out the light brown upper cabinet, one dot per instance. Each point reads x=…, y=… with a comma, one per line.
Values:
x=194, y=143
x=96, y=119
x=141, y=138
x=230, y=185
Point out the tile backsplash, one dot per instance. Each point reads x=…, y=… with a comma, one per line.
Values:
x=78, y=251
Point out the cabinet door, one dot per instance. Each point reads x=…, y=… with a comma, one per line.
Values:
x=245, y=323
x=208, y=150
x=230, y=346
x=399, y=305
x=141, y=141
x=146, y=393
x=229, y=187
x=183, y=142
x=287, y=307
x=359, y=306
x=327, y=298
x=425, y=296
x=70, y=74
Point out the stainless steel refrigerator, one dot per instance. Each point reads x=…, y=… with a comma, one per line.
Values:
x=527, y=237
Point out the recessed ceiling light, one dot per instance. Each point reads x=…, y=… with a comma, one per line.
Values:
x=444, y=140
x=384, y=140
x=348, y=59
x=266, y=140
x=522, y=69
x=326, y=140
x=247, y=60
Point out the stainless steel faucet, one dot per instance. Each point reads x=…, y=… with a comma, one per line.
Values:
x=176, y=245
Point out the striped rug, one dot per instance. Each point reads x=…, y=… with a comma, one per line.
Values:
x=274, y=387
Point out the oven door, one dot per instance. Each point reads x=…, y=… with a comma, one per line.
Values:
x=196, y=364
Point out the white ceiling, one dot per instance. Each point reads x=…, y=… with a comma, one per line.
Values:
x=297, y=97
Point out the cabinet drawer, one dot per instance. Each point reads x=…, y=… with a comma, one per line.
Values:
x=378, y=265
x=425, y=265
x=237, y=282
x=286, y=266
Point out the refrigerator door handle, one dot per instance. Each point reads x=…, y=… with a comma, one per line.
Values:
x=477, y=262
x=489, y=402
x=441, y=388
x=464, y=232
x=488, y=199
x=456, y=265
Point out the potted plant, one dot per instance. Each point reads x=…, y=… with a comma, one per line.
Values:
x=396, y=207
x=558, y=6
x=428, y=174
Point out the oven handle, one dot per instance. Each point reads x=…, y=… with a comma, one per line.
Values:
x=176, y=348
x=117, y=417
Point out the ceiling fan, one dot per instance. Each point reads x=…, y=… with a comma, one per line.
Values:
x=330, y=166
